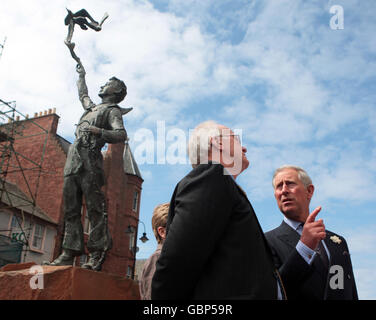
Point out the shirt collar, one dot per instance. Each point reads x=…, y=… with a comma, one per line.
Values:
x=292, y=223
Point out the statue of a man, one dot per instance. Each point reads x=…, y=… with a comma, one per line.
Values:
x=83, y=172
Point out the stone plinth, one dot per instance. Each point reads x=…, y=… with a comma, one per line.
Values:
x=65, y=283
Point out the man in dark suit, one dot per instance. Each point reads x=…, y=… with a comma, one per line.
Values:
x=215, y=247
x=314, y=263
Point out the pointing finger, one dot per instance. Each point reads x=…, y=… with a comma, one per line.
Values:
x=313, y=215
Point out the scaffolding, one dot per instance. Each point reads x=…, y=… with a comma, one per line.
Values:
x=15, y=163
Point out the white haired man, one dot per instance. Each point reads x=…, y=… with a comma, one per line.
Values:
x=215, y=247
x=303, y=250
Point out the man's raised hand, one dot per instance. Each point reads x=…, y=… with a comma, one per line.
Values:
x=313, y=231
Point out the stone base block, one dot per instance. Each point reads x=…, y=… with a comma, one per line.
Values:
x=32, y=282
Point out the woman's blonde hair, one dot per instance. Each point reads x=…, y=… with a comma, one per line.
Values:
x=159, y=219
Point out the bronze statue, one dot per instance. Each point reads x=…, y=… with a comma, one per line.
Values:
x=83, y=172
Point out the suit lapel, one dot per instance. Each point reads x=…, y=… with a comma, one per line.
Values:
x=335, y=250
x=288, y=235
x=338, y=256
x=333, y=259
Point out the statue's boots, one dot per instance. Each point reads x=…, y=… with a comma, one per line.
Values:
x=95, y=262
x=65, y=259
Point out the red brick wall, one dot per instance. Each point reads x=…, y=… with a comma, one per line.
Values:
x=37, y=143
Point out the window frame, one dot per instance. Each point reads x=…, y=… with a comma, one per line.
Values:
x=43, y=237
x=136, y=196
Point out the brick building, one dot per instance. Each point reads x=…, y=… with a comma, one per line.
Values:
x=20, y=220
x=41, y=178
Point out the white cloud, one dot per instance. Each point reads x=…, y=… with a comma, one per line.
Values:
x=164, y=60
x=362, y=240
x=338, y=173
x=346, y=183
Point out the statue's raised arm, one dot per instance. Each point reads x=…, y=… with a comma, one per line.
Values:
x=83, y=92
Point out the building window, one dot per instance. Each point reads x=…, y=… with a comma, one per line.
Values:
x=16, y=233
x=38, y=236
x=15, y=223
x=135, y=201
x=132, y=238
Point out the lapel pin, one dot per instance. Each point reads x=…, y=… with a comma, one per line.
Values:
x=336, y=239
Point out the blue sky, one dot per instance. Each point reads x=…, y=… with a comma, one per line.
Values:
x=301, y=92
